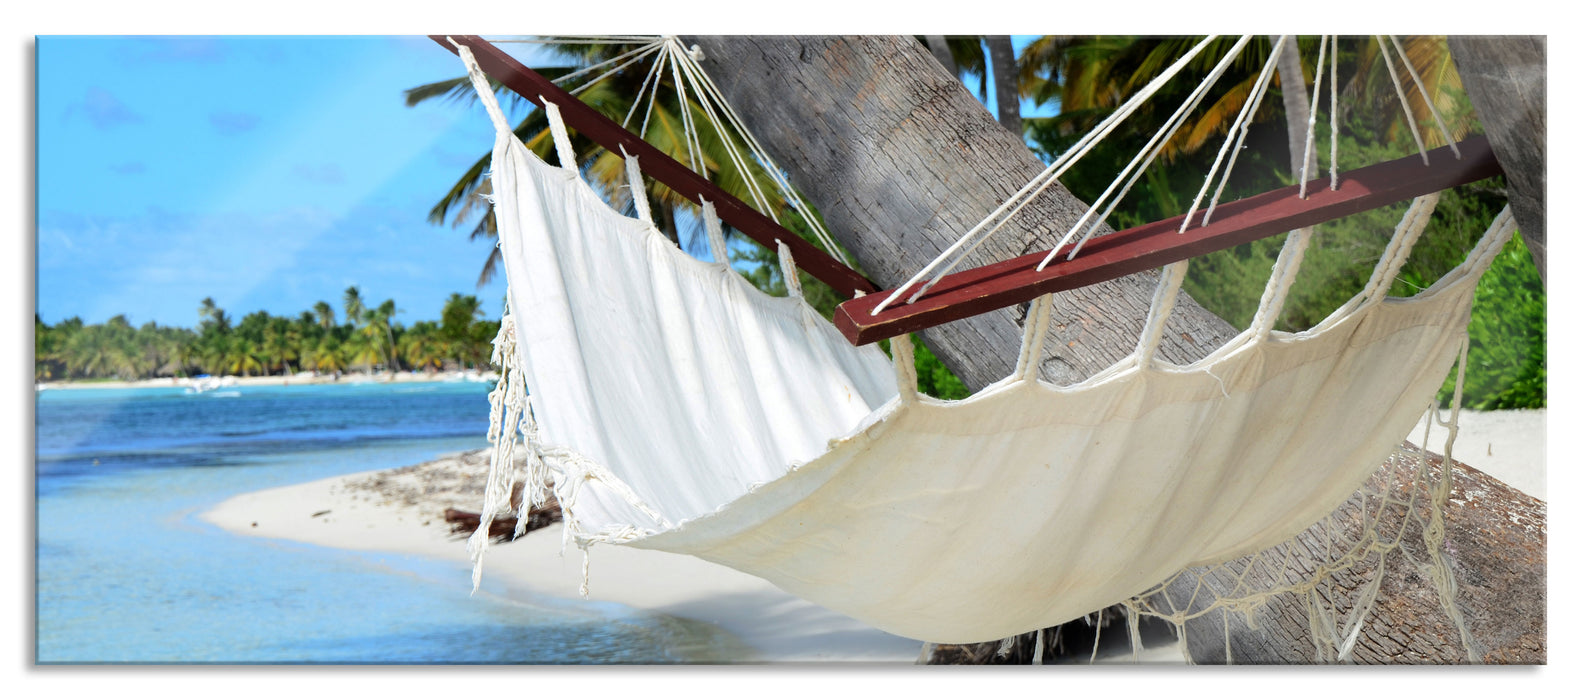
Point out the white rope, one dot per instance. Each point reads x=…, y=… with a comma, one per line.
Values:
x=1145, y=157
x=952, y=256
x=1334, y=113
x=905, y=362
x=652, y=97
x=1400, y=91
x=1034, y=327
x=480, y=83
x=1422, y=90
x=1439, y=571
x=731, y=151
x=711, y=224
x=1280, y=279
x=506, y=403
x=637, y=99
x=557, y=127
x=640, y=55
x=689, y=63
x=580, y=39
x=1312, y=117
x=1260, y=89
x=1400, y=247
x=687, y=129
x=1165, y=295
x=788, y=270
x=589, y=69
x=634, y=183
x=1234, y=133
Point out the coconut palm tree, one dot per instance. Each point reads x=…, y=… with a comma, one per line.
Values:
x=280, y=345
x=423, y=347
x=352, y=302
x=613, y=97
x=325, y=314
x=243, y=357
x=378, y=323
x=363, y=348
x=327, y=355
x=457, y=318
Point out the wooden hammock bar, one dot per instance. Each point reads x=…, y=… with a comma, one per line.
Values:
x=980, y=290
x=656, y=164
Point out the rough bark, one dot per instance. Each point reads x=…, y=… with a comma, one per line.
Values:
x=900, y=159
x=1506, y=81
x=1496, y=537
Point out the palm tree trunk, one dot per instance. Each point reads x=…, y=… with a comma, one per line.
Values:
x=941, y=50
x=1293, y=91
x=1007, y=99
x=901, y=159
x=1505, y=79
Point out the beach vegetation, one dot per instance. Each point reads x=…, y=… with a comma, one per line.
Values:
x=264, y=344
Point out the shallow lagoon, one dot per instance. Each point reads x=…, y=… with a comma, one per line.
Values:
x=127, y=573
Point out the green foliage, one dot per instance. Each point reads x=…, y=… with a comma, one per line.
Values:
x=932, y=376
x=1506, y=363
x=264, y=344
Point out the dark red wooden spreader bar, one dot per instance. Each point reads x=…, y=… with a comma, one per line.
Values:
x=656, y=164
x=971, y=292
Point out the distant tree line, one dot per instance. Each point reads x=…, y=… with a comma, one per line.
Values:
x=364, y=338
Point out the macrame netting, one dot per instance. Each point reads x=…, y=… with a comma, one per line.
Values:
x=675, y=407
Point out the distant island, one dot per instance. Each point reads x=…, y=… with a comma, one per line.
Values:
x=364, y=338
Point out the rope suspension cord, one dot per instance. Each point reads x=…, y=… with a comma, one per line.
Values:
x=1312, y=116
x=637, y=99
x=1038, y=184
x=580, y=39
x=1334, y=113
x=683, y=68
x=705, y=85
x=632, y=56
x=1236, y=133
x=1005, y=283
x=1421, y=90
x=1151, y=150
x=1259, y=90
x=682, y=60
x=683, y=180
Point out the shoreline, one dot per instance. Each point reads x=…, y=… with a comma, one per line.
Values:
x=401, y=511
x=300, y=378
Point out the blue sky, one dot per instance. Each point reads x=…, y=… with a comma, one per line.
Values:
x=267, y=172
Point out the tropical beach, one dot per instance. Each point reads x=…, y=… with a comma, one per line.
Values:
x=281, y=482
x=401, y=510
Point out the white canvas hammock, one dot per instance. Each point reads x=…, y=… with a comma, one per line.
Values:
x=675, y=407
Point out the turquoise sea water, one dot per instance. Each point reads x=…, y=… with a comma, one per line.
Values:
x=127, y=573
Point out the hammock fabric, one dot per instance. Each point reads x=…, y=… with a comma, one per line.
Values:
x=675, y=407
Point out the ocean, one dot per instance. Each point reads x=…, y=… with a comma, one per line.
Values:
x=127, y=573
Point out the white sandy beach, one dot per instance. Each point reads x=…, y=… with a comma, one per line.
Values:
x=400, y=511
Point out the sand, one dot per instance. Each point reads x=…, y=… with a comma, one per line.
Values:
x=400, y=510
